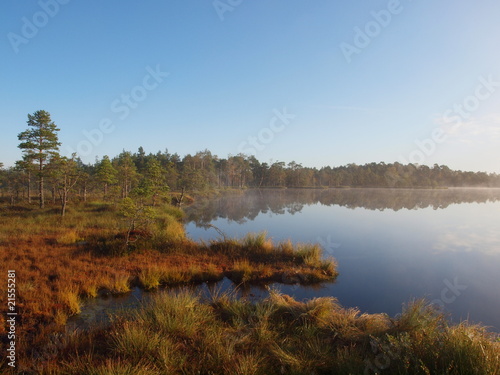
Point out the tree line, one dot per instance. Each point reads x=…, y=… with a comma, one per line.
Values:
x=43, y=170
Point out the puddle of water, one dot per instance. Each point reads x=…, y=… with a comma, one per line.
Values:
x=100, y=310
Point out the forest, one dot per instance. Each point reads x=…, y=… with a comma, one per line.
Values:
x=154, y=174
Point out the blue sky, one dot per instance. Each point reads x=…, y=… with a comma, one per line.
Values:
x=420, y=68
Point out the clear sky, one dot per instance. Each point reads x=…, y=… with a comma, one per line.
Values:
x=320, y=82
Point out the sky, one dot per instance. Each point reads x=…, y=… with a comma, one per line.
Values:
x=316, y=82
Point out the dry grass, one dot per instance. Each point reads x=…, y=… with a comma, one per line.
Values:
x=60, y=262
x=178, y=333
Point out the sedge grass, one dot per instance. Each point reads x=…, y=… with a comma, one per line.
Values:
x=181, y=333
x=59, y=262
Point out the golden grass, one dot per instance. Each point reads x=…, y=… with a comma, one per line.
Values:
x=180, y=333
x=69, y=297
x=60, y=262
x=69, y=237
x=242, y=271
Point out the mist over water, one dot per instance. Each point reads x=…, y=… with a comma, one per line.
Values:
x=391, y=245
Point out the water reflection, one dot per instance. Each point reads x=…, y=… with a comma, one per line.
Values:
x=240, y=208
x=391, y=245
x=101, y=310
x=469, y=238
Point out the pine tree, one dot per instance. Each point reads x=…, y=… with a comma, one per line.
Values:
x=39, y=144
x=127, y=172
x=155, y=177
x=106, y=174
x=65, y=176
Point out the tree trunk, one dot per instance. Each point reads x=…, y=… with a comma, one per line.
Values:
x=29, y=187
x=40, y=187
x=64, y=199
x=179, y=202
x=63, y=208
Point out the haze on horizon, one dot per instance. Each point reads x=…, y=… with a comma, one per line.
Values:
x=320, y=84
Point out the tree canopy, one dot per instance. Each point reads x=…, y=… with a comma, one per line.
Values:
x=39, y=144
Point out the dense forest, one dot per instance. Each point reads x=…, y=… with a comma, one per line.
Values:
x=43, y=170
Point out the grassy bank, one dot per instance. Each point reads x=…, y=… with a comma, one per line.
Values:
x=59, y=262
x=178, y=333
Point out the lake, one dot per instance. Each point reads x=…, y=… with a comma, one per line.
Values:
x=391, y=245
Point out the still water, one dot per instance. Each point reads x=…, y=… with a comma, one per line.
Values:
x=390, y=245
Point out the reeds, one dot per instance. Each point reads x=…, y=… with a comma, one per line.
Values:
x=181, y=333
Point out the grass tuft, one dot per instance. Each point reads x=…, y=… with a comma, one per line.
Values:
x=242, y=271
x=69, y=297
x=180, y=333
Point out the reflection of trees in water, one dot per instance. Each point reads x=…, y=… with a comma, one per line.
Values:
x=240, y=208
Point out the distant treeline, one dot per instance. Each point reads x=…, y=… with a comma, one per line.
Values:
x=253, y=202
x=150, y=176
x=118, y=176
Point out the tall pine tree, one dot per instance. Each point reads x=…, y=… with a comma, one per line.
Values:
x=39, y=144
x=106, y=174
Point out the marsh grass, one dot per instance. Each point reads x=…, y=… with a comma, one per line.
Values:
x=209, y=272
x=69, y=297
x=251, y=254
x=258, y=243
x=60, y=262
x=85, y=366
x=150, y=277
x=181, y=333
x=310, y=255
x=168, y=231
x=242, y=271
x=69, y=237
